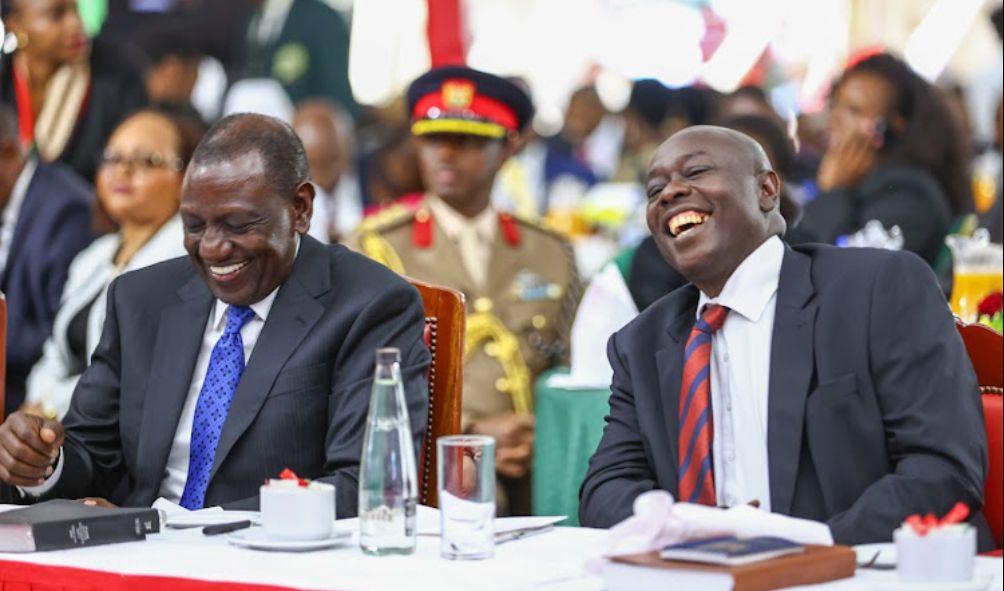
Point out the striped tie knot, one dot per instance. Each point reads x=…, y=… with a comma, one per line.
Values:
x=712, y=319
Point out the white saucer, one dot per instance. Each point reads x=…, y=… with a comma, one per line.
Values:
x=978, y=583
x=255, y=538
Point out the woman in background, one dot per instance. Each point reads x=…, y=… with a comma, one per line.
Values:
x=68, y=93
x=139, y=184
x=894, y=155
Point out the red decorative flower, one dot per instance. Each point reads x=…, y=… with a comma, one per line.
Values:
x=991, y=304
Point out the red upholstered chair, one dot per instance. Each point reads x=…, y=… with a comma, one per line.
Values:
x=986, y=351
x=445, y=322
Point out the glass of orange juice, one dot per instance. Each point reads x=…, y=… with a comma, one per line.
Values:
x=978, y=271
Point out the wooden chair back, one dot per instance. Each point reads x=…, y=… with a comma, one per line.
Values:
x=445, y=322
x=986, y=352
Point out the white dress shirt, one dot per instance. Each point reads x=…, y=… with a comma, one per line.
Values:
x=740, y=377
x=474, y=236
x=176, y=472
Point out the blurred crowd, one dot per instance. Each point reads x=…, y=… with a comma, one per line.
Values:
x=96, y=132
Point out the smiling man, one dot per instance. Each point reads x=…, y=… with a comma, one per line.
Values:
x=824, y=383
x=252, y=355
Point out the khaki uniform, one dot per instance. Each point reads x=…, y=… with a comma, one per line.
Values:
x=518, y=319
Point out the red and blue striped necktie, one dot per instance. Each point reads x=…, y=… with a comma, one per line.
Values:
x=696, y=477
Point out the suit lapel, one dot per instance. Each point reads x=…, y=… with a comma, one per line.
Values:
x=791, y=369
x=293, y=314
x=176, y=349
x=669, y=364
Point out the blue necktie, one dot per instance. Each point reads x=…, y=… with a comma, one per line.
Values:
x=226, y=364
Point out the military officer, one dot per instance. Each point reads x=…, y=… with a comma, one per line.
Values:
x=520, y=281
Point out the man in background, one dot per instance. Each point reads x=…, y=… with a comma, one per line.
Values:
x=519, y=280
x=328, y=136
x=45, y=222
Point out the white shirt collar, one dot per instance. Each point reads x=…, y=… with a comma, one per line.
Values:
x=453, y=222
x=260, y=308
x=753, y=283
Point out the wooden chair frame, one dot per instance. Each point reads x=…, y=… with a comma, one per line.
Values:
x=445, y=322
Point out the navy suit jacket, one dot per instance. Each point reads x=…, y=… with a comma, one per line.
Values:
x=301, y=403
x=54, y=224
x=873, y=411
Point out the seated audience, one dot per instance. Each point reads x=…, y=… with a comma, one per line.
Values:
x=326, y=131
x=302, y=44
x=139, y=185
x=894, y=155
x=254, y=354
x=519, y=279
x=824, y=383
x=171, y=57
x=643, y=117
x=45, y=222
x=69, y=92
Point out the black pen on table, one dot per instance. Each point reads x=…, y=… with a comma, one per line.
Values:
x=225, y=528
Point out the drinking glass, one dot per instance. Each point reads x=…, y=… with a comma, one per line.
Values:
x=467, y=496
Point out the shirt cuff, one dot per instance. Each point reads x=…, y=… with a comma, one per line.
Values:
x=41, y=489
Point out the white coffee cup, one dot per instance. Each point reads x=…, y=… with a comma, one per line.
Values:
x=943, y=554
x=291, y=511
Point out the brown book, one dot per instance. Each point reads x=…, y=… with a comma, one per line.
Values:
x=818, y=564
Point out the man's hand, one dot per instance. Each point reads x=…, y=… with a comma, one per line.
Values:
x=29, y=448
x=513, y=435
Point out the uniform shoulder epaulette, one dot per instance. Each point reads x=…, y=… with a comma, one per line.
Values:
x=386, y=219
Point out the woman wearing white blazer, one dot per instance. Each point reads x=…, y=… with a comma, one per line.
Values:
x=139, y=183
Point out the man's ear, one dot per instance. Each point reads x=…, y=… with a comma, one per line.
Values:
x=769, y=190
x=303, y=207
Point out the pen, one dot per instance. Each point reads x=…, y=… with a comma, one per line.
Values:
x=521, y=533
x=223, y=528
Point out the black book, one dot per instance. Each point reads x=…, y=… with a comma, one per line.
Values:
x=61, y=524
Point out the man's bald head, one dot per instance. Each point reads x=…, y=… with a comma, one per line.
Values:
x=328, y=137
x=247, y=135
x=736, y=142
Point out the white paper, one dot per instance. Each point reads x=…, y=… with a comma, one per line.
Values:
x=605, y=308
x=178, y=516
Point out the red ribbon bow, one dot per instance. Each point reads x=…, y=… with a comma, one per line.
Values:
x=288, y=474
x=922, y=525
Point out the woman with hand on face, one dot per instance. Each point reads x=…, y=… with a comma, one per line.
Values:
x=69, y=93
x=139, y=184
x=894, y=156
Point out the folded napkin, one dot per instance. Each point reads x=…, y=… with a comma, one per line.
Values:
x=658, y=521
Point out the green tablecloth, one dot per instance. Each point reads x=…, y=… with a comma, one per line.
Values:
x=569, y=427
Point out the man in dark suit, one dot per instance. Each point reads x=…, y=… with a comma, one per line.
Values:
x=824, y=383
x=168, y=408
x=45, y=220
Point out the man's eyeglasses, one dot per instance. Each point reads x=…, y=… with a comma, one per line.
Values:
x=141, y=162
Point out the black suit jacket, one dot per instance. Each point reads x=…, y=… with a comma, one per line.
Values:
x=54, y=224
x=873, y=411
x=301, y=402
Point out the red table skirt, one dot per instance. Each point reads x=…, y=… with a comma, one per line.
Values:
x=25, y=576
